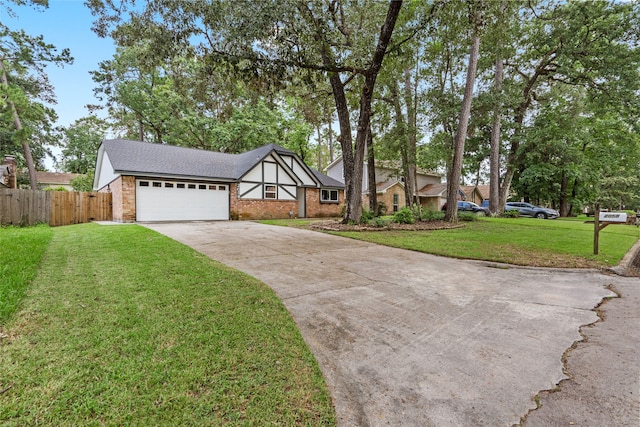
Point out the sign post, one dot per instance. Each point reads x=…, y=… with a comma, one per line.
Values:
x=601, y=220
x=596, y=230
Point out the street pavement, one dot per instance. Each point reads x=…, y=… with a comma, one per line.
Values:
x=410, y=339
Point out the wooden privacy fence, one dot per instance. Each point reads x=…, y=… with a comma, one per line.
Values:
x=28, y=207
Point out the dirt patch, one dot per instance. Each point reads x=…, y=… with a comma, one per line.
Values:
x=418, y=226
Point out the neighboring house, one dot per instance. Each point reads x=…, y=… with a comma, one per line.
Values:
x=484, y=191
x=389, y=185
x=53, y=180
x=155, y=182
x=8, y=175
x=472, y=193
x=434, y=196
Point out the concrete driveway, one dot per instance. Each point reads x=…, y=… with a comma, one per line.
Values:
x=405, y=338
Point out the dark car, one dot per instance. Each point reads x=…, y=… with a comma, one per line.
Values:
x=470, y=207
x=533, y=211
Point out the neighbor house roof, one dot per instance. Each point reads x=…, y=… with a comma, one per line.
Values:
x=484, y=191
x=136, y=157
x=383, y=186
x=433, y=190
x=55, y=178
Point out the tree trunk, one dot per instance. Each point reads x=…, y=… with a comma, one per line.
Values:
x=512, y=161
x=412, y=138
x=353, y=156
x=33, y=183
x=403, y=137
x=352, y=212
x=318, y=130
x=494, y=158
x=453, y=183
x=330, y=131
x=564, y=201
x=371, y=175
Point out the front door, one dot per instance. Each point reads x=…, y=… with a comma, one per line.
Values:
x=302, y=202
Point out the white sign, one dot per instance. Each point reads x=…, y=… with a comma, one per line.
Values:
x=613, y=217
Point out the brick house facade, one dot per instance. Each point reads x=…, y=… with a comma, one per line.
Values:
x=152, y=182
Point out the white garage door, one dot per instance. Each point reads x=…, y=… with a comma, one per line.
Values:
x=181, y=201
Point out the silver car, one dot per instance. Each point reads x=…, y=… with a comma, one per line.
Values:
x=527, y=209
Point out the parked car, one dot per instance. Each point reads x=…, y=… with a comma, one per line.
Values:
x=527, y=209
x=469, y=207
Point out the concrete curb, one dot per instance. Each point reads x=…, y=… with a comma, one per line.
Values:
x=630, y=264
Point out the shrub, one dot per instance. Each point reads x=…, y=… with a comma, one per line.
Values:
x=367, y=216
x=382, y=209
x=380, y=222
x=404, y=216
x=429, y=215
x=511, y=214
x=467, y=216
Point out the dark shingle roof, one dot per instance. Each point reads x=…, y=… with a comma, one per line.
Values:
x=137, y=157
x=326, y=181
x=145, y=157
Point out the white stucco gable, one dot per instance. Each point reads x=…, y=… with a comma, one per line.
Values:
x=271, y=178
x=104, y=173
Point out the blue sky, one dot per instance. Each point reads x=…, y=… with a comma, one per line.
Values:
x=66, y=24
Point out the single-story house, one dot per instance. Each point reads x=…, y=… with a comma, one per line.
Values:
x=389, y=183
x=46, y=180
x=156, y=182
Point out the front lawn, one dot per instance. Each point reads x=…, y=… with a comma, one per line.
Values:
x=520, y=241
x=21, y=250
x=123, y=326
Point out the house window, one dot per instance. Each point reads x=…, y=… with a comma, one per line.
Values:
x=157, y=184
x=222, y=187
x=144, y=183
x=329, y=196
x=269, y=191
x=192, y=186
x=395, y=202
x=168, y=185
x=202, y=187
x=213, y=187
x=179, y=185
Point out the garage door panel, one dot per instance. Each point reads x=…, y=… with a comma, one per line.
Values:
x=173, y=201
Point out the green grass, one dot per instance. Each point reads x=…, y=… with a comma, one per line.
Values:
x=21, y=250
x=520, y=241
x=123, y=326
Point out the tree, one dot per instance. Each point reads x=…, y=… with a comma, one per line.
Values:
x=80, y=142
x=590, y=45
x=453, y=178
x=22, y=59
x=266, y=41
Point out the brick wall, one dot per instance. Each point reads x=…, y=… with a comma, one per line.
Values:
x=387, y=199
x=265, y=209
x=258, y=208
x=123, y=191
x=315, y=209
